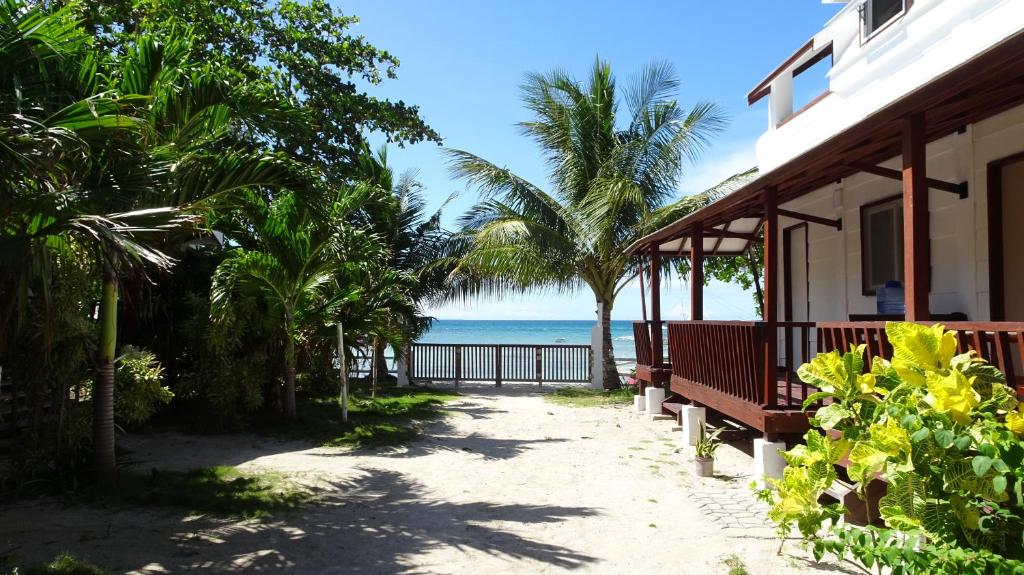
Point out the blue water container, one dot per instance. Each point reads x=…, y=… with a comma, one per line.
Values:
x=890, y=299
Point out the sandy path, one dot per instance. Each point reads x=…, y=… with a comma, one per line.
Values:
x=509, y=483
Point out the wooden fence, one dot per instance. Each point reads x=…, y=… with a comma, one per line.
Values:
x=500, y=362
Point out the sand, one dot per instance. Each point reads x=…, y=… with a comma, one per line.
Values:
x=507, y=483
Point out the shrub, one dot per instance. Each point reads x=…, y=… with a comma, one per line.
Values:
x=138, y=389
x=943, y=430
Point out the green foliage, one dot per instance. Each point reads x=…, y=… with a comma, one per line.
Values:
x=392, y=418
x=940, y=428
x=735, y=565
x=138, y=385
x=221, y=490
x=707, y=445
x=63, y=564
x=582, y=397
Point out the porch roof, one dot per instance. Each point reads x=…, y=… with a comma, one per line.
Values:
x=982, y=87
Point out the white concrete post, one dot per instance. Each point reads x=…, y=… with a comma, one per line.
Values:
x=693, y=418
x=639, y=403
x=597, y=352
x=655, y=396
x=768, y=461
x=780, y=100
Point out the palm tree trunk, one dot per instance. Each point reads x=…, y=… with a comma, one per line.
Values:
x=611, y=373
x=289, y=368
x=381, y=363
x=343, y=372
x=374, y=374
x=103, y=390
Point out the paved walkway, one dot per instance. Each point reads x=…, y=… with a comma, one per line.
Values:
x=509, y=483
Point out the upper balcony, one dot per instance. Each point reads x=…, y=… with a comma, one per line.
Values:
x=879, y=51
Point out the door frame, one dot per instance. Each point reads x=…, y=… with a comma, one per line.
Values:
x=787, y=268
x=996, y=277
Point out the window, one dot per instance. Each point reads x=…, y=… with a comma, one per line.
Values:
x=877, y=13
x=881, y=236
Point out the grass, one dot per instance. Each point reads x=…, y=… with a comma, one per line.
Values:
x=221, y=490
x=391, y=418
x=63, y=564
x=582, y=397
x=735, y=565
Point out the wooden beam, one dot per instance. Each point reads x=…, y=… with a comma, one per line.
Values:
x=837, y=224
x=657, y=351
x=643, y=295
x=771, y=297
x=916, y=248
x=697, y=273
x=713, y=233
x=958, y=189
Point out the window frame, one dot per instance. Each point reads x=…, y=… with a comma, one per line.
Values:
x=864, y=7
x=897, y=201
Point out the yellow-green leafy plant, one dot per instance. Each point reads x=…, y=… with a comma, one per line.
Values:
x=942, y=429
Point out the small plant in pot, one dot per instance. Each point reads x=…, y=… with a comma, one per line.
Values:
x=707, y=445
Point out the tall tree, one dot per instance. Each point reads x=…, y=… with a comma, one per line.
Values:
x=291, y=264
x=613, y=176
x=414, y=239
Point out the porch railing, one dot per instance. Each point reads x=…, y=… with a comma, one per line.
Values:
x=1000, y=343
x=725, y=356
x=500, y=362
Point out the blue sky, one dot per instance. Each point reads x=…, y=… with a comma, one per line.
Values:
x=462, y=62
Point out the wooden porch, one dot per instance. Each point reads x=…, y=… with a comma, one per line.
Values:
x=720, y=364
x=748, y=370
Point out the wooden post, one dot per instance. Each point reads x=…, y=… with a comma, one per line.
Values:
x=538, y=367
x=458, y=364
x=657, y=346
x=497, y=365
x=697, y=272
x=643, y=294
x=916, y=248
x=771, y=296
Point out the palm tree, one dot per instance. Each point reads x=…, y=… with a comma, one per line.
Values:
x=291, y=264
x=102, y=153
x=613, y=179
x=414, y=240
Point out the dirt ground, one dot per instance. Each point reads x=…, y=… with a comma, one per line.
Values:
x=507, y=483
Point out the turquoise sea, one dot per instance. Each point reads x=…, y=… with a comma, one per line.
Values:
x=526, y=331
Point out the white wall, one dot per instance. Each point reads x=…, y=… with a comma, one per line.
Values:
x=958, y=227
x=930, y=39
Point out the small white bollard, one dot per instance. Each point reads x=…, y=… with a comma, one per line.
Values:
x=639, y=402
x=693, y=418
x=655, y=396
x=768, y=461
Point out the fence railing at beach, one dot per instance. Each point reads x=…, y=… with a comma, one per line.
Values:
x=557, y=363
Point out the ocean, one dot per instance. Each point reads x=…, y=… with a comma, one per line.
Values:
x=527, y=331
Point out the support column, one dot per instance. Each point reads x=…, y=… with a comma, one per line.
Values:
x=916, y=248
x=697, y=272
x=771, y=296
x=657, y=345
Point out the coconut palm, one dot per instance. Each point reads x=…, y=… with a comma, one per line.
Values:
x=613, y=177
x=414, y=240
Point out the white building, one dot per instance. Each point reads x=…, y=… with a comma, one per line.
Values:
x=909, y=168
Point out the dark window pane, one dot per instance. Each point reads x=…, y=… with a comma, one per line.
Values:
x=881, y=11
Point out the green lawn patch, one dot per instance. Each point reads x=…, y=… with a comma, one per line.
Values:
x=64, y=564
x=221, y=490
x=582, y=397
x=391, y=418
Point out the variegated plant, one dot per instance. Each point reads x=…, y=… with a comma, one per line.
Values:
x=942, y=429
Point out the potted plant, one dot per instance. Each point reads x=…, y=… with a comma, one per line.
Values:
x=704, y=463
